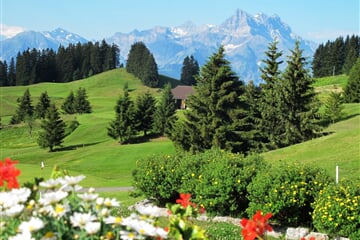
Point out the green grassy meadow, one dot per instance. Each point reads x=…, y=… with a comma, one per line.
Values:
x=89, y=151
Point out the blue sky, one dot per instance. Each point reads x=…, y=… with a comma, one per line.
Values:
x=317, y=20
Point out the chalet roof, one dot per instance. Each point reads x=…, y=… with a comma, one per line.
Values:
x=182, y=92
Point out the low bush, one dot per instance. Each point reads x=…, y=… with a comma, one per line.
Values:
x=337, y=210
x=287, y=191
x=216, y=179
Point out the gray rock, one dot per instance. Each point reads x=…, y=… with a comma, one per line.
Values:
x=296, y=233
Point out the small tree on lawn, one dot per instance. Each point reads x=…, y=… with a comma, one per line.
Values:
x=42, y=105
x=165, y=114
x=123, y=127
x=69, y=104
x=81, y=103
x=333, y=107
x=145, y=108
x=25, y=108
x=53, y=128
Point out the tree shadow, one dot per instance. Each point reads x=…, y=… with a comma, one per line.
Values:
x=75, y=147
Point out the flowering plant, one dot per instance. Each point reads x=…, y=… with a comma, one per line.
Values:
x=60, y=210
x=255, y=227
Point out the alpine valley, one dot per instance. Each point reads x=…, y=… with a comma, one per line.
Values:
x=244, y=36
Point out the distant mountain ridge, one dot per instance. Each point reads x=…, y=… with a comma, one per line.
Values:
x=244, y=37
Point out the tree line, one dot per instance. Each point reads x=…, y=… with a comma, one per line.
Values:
x=336, y=57
x=76, y=61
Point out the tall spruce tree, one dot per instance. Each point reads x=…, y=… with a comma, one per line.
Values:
x=270, y=99
x=42, y=106
x=301, y=119
x=68, y=105
x=25, y=108
x=165, y=114
x=352, y=89
x=12, y=73
x=145, y=109
x=123, y=128
x=53, y=128
x=189, y=70
x=81, y=103
x=142, y=64
x=216, y=115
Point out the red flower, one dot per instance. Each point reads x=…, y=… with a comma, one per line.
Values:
x=8, y=173
x=255, y=227
x=184, y=200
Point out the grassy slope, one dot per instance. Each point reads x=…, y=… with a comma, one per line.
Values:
x=91, y=152
x=88, y=150
x=340, y=147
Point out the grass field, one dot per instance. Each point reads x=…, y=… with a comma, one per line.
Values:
x=89, y=151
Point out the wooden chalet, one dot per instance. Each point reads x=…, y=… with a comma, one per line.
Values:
x=181, y=93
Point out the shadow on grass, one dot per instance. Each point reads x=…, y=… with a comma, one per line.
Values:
x=75, y=147
x=326, y=122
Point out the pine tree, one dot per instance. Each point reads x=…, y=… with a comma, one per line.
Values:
x=352, y=46
x=300, y=106
x=216, y=112
x=333, y=107
x=189, y=70
x=142, y=64
x=42, y=106
x=123, y=127
x=145, y=109
x=81, y=103
x=53, y=128
x=252, y=97
x=3, y=74
x=165, y=114
x=68, y=105
x=25, y=108
x=12, y=73
x=352, y=89
x=270, y=122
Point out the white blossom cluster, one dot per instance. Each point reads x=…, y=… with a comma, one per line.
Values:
x=62, y=212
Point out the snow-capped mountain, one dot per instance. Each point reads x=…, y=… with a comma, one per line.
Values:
x=38, y=40
x=244, y=37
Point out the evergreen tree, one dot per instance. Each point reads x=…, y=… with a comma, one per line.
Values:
x=42, y=106
x=300, y=106
x=53, y=128
x=69, y=104
x=352, y=89
x=3, y=74
x=333, y=107
x=81, y=103
x=352, y=46
x=25, y=108
x=270, y=122
x=165, y=114
x=252, y=97
x=142, y=64
x=12, y=73
x=217, y=112
x=189, y=70
x=145, y=108
x=123, y=127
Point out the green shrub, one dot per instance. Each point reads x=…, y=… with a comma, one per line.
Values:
x=287, y=191
x=216, y=179
x=337, y=210
x=221, y=183
x=158, y=178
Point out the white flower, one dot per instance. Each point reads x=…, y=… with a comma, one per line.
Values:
x=33, y=225
x=111, y=202
x=22, y=236
x=71, y=181
x=52, y=197
x=88, y=197
x=51, y=183
x=125, y=235
x=149, y=210
x=100, y=201
x=92, y=227
x=21, y=194
x=14, y=210
x=113, y=220
x=81, y=219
